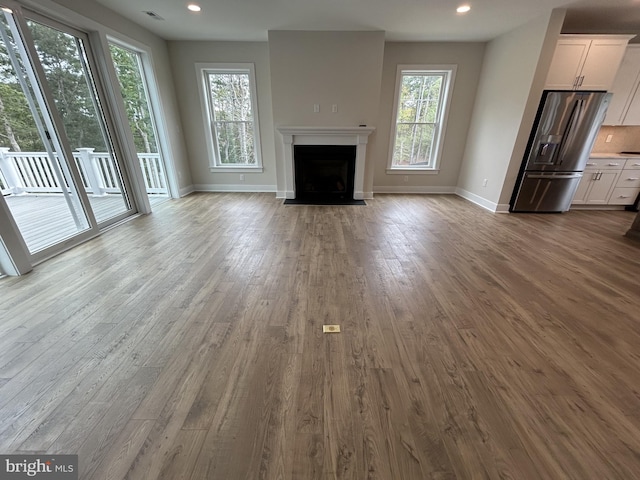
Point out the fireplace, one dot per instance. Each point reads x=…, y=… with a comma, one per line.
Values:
x=324, y=173
x=332, y=138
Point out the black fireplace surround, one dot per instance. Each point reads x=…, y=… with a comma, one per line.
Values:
x=324, y=173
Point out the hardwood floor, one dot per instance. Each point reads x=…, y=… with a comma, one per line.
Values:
x=188, y=344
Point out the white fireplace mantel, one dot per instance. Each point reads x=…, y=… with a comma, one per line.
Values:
x=357, y=136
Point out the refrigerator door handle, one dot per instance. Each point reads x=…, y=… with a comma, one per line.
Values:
x=570, y=128
x=554, y=176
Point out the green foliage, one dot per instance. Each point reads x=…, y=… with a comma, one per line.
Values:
x=66, y=72
x=230, y=95
x=16, y=109
x=62, y=58
x=418, y=112
x=135, y=98
x=17, y=127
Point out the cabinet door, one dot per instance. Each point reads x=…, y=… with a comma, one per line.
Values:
x=602, y=63
x=633, y=112
x=601, y=189
x=582, y=193
x=624, y=196
x=567, y=63
x=629, y=179
x=624, y=86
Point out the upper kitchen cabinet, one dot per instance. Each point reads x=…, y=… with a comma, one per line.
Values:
x=586, y=62
x=624, y=108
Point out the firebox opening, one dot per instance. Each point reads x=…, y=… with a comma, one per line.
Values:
x=324, y=172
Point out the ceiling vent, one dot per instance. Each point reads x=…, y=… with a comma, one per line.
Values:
x=153, y=15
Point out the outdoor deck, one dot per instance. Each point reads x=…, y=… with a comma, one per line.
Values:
x=45, y=219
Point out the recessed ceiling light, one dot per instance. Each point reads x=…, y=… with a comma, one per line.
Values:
x=193, y=7
x=463, y=9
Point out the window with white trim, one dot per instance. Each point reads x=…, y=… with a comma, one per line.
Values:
x=420, y=112
x=231, y=115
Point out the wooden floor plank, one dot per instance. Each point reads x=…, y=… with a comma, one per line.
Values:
x=188, y=344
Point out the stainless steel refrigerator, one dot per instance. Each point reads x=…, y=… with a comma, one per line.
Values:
x=563, y=134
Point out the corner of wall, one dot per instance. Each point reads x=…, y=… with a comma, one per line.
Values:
x=512, y=78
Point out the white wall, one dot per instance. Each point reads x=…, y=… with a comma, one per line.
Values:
x=94, y=16
x=468, y=58
x=326, y=68
x=510, y=87
x=184, y=56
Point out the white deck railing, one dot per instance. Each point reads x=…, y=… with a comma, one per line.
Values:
x=32, y=172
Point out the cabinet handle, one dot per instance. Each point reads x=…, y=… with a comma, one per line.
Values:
x=633, y=179
x=594, y=164
x=581, y=80
x=624, y=196
x=598, y=176
x=614, y=164
x=575, y=82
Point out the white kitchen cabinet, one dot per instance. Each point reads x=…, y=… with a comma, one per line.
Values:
x=586, y=62
x=632, y=115
x=595, y=187
x=624, y=107
x=598, y=181
x=609, y=181
x=627, y=186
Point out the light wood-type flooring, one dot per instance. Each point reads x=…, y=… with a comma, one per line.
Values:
x=188, y=344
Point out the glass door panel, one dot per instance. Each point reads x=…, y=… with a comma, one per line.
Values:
x=67, y=70
x=35, y=179
x=133, y=85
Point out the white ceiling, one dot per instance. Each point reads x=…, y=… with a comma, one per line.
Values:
x=402, y=20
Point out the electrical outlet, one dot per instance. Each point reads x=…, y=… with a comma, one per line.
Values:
x=334, y=108
x=484, y=182
x=609, y=138
x=242, y=177
x=406, y=178
x=316, y=108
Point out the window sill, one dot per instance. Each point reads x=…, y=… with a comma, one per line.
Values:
x=236, y=169
x=412, y=171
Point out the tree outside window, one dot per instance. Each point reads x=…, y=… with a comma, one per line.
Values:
x=230, y=97
x=420, y=113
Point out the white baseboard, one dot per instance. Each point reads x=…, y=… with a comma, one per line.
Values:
x=415, y=190
x=596, y=207
x=220, y=187
x=183, y=192
x=482, y=202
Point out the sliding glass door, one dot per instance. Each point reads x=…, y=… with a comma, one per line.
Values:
x=35, y=177
x=135, y=94
x=63, y=55
x=60, y=173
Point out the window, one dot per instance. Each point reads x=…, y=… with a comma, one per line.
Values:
x=231, y=115
x=420, y=113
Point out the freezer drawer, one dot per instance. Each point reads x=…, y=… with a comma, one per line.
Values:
x=543, y=192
